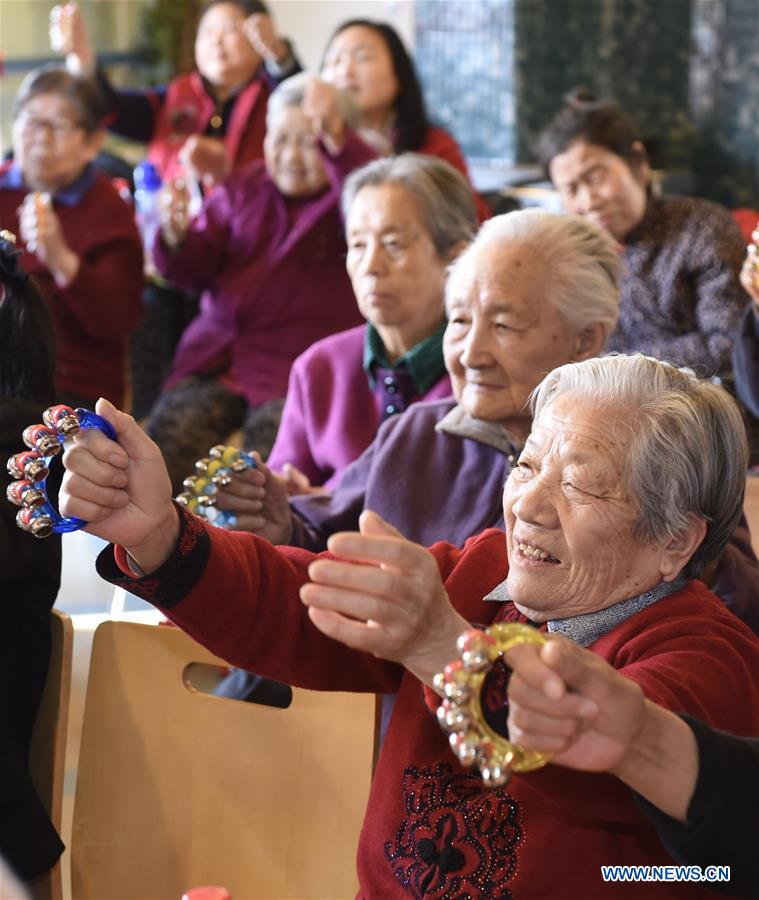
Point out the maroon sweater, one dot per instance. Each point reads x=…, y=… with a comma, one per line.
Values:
x=96, y=313
x=431, y=828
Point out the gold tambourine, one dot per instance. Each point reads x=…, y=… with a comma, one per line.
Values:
x=460, y=714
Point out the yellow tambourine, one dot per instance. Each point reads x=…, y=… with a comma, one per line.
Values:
x=460, y=714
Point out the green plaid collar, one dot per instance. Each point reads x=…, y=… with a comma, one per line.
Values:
x=424, y=361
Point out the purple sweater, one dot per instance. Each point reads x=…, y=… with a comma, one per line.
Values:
x=273, y=277
x=680, y=298
x=331, y=414
x=436, y=474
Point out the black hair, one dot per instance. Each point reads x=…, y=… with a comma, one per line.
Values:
x=586, y=118
x=27, y=340
x=83, y=93
x=412, y=122
x=247, y=7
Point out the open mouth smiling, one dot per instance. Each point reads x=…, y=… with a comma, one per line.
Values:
x=527, y=552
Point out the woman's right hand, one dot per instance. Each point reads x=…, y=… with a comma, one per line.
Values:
x=122, y=490
x=69, y=38
x=322, y=106
x=174, y=212
x=258, y=497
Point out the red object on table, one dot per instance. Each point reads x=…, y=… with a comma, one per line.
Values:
x=207, y=892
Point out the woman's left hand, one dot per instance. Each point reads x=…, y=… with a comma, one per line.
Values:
x=41, y=231
x=384, y=596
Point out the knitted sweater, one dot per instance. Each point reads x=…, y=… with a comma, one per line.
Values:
x=431, y=828
x=332, y=413
x=95, y=314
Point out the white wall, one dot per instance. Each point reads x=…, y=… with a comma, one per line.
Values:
x=309, y=23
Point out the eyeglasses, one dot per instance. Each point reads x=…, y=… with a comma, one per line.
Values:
x=61, y=129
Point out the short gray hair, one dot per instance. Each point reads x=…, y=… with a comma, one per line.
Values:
x=290, y=93
x=444, y=195
x=688, y=450
x=582, y=260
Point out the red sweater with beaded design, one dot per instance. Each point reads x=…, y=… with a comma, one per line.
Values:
x=431, y=828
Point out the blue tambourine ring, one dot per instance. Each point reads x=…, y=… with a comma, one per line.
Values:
x=32, y=467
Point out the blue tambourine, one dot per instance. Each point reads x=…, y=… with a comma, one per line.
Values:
x=31, y=468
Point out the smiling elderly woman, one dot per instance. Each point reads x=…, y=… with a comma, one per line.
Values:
x=271, y=231
x=532, y=292
x=631, y=482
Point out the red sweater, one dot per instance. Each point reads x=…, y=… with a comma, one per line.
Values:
x=438, y=142
x=431, y=828
x=96, y=313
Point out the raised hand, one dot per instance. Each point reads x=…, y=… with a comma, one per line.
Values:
x=567, y=700
x=321, y=105
x=258, y=498
x=260, y=31
x=40, y=229
x=121, y=489
x=206, y=158
x=68, y=37
x=384, y=596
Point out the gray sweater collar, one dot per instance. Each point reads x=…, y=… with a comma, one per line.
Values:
x=586, y=629
x=460, y=424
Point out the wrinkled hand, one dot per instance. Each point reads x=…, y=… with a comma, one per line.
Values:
x=121, y=489
x=68, y=37
x=567, y=700
x=297, y=482
x=259, y=30
x=41, y=231
x=384, y=596
x=322, y=107
x=206, y=158
x=259, y=500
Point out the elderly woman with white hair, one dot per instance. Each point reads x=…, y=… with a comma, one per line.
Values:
x=629, y=484
x=268, y=252
x=532, y=292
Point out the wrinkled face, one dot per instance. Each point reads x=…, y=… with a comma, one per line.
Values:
x=223, y=54
x=396, y=273
x=595, y=183
x=503, y=335
x=570, y=518
x=49, y=143
x=359, y=61
x=291, y=154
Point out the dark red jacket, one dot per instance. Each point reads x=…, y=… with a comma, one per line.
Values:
x=96, y=313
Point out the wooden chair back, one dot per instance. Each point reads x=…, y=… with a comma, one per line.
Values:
x=179, y=788
x=47, y=755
